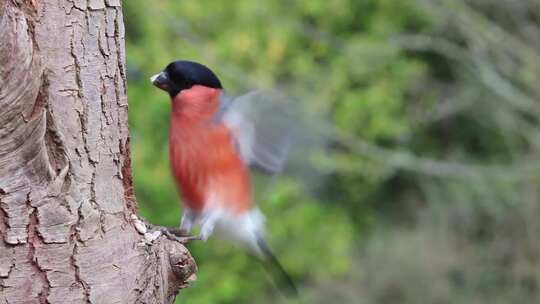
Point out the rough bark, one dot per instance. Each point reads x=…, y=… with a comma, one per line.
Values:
x=66, y=199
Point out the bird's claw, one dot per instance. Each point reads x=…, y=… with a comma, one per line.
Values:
x=172, y=234
x=175, y=234
x=152, y=232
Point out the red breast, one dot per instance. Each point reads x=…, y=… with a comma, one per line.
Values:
x=206, y=166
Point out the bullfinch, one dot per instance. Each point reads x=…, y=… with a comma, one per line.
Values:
x=214, y=143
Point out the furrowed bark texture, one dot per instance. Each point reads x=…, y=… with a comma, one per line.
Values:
x=66, y=197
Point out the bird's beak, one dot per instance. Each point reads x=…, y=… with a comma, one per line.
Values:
x=161, y=81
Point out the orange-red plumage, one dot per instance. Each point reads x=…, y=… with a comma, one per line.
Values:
x=205, y=163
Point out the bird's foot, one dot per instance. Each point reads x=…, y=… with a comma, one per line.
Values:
x=175, y=234
x=152, y=232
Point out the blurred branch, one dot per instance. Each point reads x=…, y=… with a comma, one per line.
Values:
x=504, y=88
x=442, y=46
x=438, y=168
x=476, y=24
x=476, y=64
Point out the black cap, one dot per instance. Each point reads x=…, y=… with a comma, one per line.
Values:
x=181, y=75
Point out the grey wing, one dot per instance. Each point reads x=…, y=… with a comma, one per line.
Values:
x=263, y=125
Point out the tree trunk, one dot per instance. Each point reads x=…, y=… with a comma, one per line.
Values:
x=66, y=196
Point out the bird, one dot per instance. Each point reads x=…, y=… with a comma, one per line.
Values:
x=215, y=143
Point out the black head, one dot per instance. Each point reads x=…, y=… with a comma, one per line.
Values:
x=181, y=75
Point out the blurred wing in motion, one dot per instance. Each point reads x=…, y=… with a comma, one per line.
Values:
x=263, y=125
x=273, y=133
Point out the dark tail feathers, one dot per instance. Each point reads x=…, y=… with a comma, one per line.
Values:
x=282, y=279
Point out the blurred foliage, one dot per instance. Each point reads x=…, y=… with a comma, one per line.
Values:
x=434, y=160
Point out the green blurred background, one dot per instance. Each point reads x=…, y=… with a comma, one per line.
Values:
x=431, y=189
